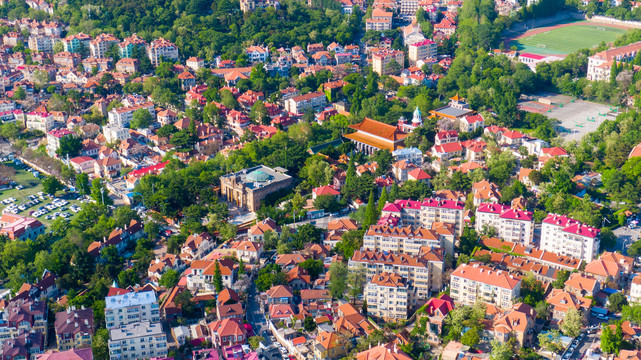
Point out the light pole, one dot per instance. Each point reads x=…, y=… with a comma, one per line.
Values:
x=102, y=191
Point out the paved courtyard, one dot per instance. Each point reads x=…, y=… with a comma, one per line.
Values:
x=578, y=118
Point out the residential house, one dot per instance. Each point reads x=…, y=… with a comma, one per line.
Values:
x=74, y=328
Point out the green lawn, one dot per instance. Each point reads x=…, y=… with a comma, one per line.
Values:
x=568, y=39
x=32, y=186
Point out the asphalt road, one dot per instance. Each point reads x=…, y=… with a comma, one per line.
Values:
x=625, y=237
x=257, y=320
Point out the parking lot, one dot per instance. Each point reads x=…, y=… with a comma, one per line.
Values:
x=26, y=198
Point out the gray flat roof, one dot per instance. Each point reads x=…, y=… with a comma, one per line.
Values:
x=452, y=111
x=144, y=328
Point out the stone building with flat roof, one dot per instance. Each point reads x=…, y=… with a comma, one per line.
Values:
x=248, y=187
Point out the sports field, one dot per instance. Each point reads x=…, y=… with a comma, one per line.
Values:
x=566, y=38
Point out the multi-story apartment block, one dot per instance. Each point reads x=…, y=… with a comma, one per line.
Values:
x=131, y=308
x=388, y=297
x=381, y=20
x=67, y=59
x=569, y=237
x=415, y=269
x=127, y=65
x=114, y=133
x=37, y=120
x=77, y=42
x=42, y=43
x=23, y=315
x=381, y=61
x=53, y=140
x=314, y=101
x=474, y=282
x=74, y=328
x=421, y=50
x=424, y=213
x=101, y=44
x=600, y=64
x=122, y=116
x=408, y=8
x=512, y=225
x=127, y=46
x=7, y=105
x=407, y=240
x=142, y=340
x=161, y=48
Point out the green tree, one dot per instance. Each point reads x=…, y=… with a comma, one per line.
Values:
x=337, y=279
x=82, y=184
x=166, y=130
x=314, y=267
x=608, y=239
x=551, y=341
x=254, y=342
x=572, y=323
x=371, y=215
x=51, y=185
x=99, y=345
x=69, y=145
x=141, y=119
x=356, y=282
x=616, y=302
x=328, y=203
x=471, y=337
x=382, y=200
x=259, y=113
x=501, y=350
x=611, y=341
x=227, y=231
x=19, y=94
x=241, y=266
x=218, y=278
x=99, y=192
x=309, y=324
x=561, y=277
x=169, y=279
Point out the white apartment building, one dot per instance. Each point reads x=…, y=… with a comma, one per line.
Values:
x=122, y=116
x=142, y=340
x=412, y=154
x=387, y=297
x=42, y=43
x=160, y=48
x=300, y=104
x=635, y=289
x=422, y=50
x=53, y=140
x=42, y=121
x=131, y=308
x=114, y=133
x=381, y=20
x=7, y=105
x=101, y=44
x=472, y=282
x=512, y=225
x=566, y=236
x=424, y=213
x=600, y=64
x=414, y=269
x=407, y=240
